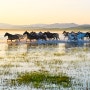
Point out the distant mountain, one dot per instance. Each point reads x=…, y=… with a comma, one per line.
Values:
x=84, y=26
x=61, y=25
x=55, y=25
x=50, y=26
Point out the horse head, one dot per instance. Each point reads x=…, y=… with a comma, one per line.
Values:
x=33, y=33
x=25, y=33
x=88, y=35
x=6, y=34
x=64, y=32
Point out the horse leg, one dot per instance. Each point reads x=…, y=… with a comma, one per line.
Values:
x=26, y=40
x=58, y=38
x=64, y=38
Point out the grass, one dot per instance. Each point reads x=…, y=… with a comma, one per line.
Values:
x=5, y=72
x=8, y=65
x=40, y=78
x=1, y=57
x=59, y=54
x=85, y=49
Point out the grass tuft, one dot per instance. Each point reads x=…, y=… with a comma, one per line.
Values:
x=40, y=78
x=59, y=54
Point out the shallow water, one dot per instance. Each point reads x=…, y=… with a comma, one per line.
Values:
x=68, y=58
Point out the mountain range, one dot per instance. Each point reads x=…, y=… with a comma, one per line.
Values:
x=50, y=26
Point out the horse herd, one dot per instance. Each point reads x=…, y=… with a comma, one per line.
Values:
x=33, y=36
x=76, y=35
x=47, y=36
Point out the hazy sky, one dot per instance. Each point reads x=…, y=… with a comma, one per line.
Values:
x=44, y=11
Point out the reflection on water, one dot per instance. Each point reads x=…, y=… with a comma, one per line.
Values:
x=74, y=44
x=16, y=47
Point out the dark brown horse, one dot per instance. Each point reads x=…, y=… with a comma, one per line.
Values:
x=11, y=37
x=34, y=35
x=88, y=35
x=52, y=35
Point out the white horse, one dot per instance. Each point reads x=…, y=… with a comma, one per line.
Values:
x=72, y=36
x=80, y=36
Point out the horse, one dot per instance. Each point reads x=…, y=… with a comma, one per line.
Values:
x=81, y=35
x=65, y=34
x=31, y=36
x=11, y=37
x=51, y=35
x=72, y=36
x=56, y=36
x=88, y=35
x=42, y=36
x=34, y=35
x=20, y=36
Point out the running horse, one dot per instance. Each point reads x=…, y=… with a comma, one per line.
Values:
x=66, y=34
x=50, y=35
x=88, y=35
x=11, y=37
x=34, y=36
x=31, y=36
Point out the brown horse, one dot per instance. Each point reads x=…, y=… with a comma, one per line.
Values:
x=11, y=37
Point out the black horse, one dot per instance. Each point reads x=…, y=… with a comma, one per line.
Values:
x=65, y=34
x=42, y=36
x=51, y=35
x=29, y=36
x=56, y=36
x=11, y=37
x=34, y=35
x=88, y=35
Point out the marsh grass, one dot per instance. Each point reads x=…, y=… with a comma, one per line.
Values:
x=40, y=78
x=5, y=72
x=59, y=54
x=8, y=65
x=56, y=61
x=1, y=57
x=81, y=55
x=85, y=49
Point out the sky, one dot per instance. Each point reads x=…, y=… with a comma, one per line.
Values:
x=26, y=12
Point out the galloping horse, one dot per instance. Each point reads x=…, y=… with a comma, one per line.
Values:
x=88, y=34
x=20, y=36
x=11, y=37
x=74, y=36
x=31, y=36
x=65, y=34
x=52, y=35
x=81, y=35
x=34, y=35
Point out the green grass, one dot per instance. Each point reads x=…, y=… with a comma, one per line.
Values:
x=40, y=78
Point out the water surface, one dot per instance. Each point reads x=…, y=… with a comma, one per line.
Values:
x=68, y=58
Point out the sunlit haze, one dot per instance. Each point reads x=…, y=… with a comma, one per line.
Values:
x=44, y=11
